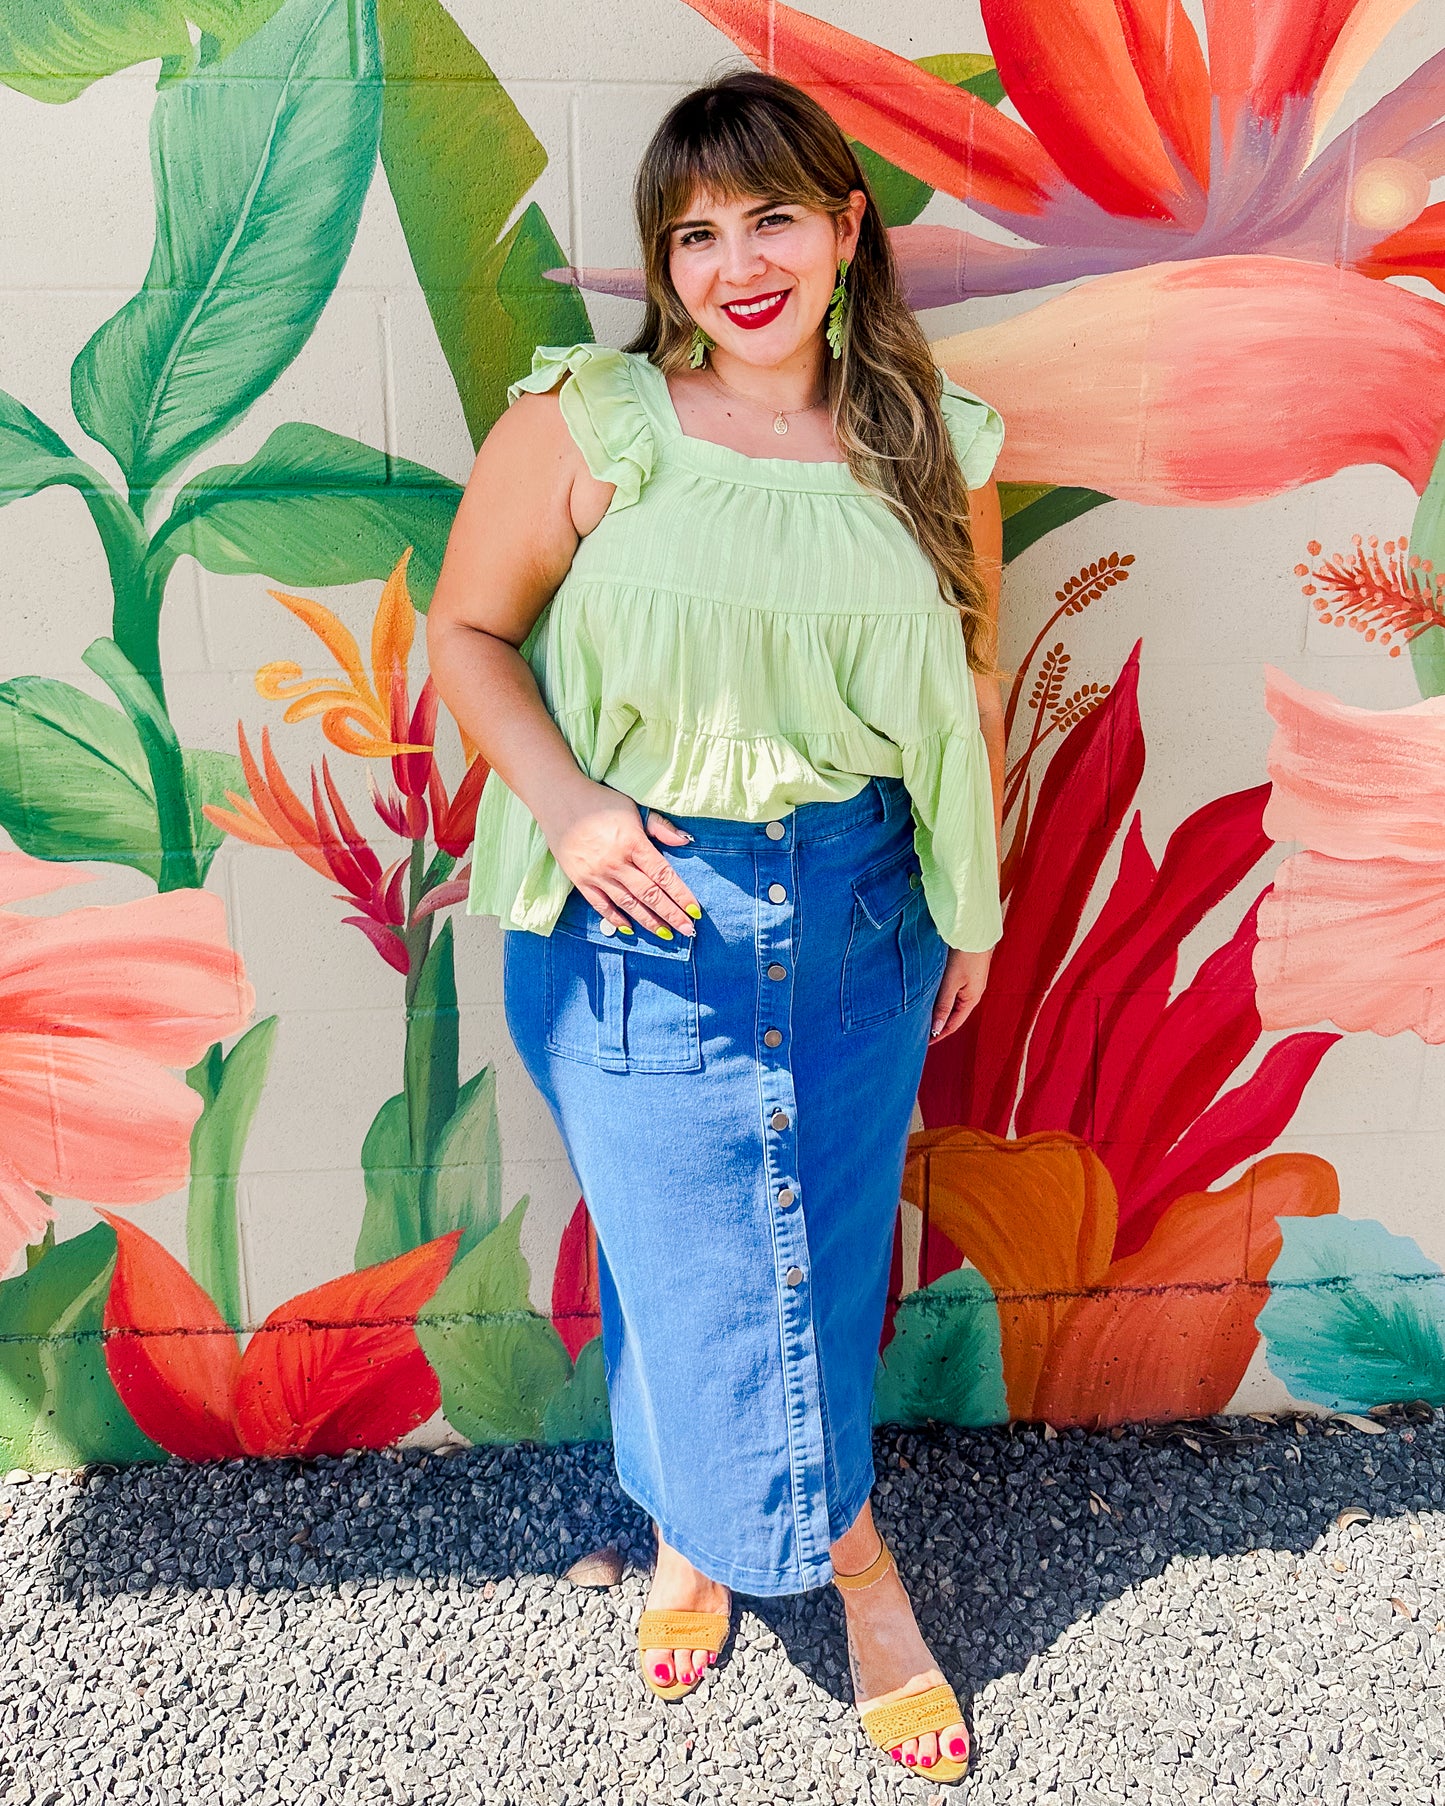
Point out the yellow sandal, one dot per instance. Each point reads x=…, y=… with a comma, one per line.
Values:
x=679, y=1630
x=888, y=1725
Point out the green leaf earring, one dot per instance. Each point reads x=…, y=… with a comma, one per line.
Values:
x=701, y=345
x=837, y=306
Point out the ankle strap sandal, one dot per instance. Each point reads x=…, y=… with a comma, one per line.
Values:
x=679, y=1630
x=895, y=1721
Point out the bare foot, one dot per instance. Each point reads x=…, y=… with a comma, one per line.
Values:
x=887, y=1655
x=678, y=1587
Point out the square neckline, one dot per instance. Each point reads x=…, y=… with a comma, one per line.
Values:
x=674, y=424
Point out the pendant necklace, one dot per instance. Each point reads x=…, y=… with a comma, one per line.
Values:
x=780, y=417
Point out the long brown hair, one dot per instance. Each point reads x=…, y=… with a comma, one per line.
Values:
x=754, y=134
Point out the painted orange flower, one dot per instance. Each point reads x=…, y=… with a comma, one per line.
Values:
x=97, y=1006
x=1163, y=1333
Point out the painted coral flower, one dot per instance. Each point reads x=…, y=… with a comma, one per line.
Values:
x=335, y=1368
x=97, y=1006
x=1353, y=929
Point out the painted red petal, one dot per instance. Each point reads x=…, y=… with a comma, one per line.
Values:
x=455, y=830
x=388, y=944
x=1050, y=1100
x=360, y=850
x=170, y=1354
x=1208, y=854
x=1101, y=84
x=1199, y=1042
x=340, y=1367
x=343, y=867
x=416, y=767
x=1085, y=794
x=1236, y=1127
x=576, y=1310
x=944, y=135
x=442, y=896
x=1415, y=250
x=1263, y=53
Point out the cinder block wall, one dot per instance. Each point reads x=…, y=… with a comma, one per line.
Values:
x=271, y=1179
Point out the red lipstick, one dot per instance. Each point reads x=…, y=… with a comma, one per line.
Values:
x=762, y=309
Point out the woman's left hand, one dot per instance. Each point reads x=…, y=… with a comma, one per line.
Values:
x=959, y=990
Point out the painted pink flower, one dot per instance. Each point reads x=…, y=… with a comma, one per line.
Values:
x=1353, y=930
x=1222, y=380
x=96, y=1006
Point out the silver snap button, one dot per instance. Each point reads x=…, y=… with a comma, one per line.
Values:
x=773, y=1038
x=777, y=893
x=775, y=830
x=779, y=1119
x=794, y=1276
x=785, y=1197
x=777, y=973
x=607, y=927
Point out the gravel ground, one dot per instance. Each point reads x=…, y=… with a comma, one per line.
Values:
x=1157, y=1616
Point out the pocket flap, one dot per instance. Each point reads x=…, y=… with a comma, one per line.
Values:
x=581, y=920
x=885, y=891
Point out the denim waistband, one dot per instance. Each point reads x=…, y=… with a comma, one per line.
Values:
x=880, y=799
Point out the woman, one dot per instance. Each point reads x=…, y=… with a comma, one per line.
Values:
x=714, y=611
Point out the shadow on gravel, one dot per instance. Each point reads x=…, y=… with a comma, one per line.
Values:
x=1005, y=1537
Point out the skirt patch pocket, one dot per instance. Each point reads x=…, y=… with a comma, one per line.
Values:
x=626, y=1003
x=895, y=955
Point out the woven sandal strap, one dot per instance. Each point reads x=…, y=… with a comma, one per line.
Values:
x=875, y=1570
x=682, y=1630
x=900, y=1719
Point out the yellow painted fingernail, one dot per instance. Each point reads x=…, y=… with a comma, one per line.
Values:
x=663, y=934
x=622, y=928
x=694, y=912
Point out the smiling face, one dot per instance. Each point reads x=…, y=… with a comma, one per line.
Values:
x=756, y=274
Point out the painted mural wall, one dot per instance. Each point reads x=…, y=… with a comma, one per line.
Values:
x=271, y=1180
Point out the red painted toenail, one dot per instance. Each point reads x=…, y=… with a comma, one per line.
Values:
x=910, y=1761
x=927, y=1761
x=662, y=1672
x=958, y=1747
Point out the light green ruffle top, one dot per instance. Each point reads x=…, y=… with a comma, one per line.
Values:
x=739, y=636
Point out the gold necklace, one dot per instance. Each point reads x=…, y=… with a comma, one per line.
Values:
x=780, y=417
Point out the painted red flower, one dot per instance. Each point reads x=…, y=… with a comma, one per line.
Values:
x=335, y=1368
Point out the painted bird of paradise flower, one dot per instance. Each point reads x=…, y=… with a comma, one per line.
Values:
x=369, y=715
x=1090, y=1100
x=1217, y=227
x=435, y=1121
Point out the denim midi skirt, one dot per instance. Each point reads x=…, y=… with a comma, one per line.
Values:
x=736, y=1108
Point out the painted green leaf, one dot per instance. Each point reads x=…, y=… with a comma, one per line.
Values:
x=579, y=1412
x=54, y=49
x=74, y=783
x=432, y=1027
x=458, y=1187
x=230, y=1087
x=261, y=162
x=945, y=1361
x=32, y=457
x=901, y=197
x=1042, y=509
x=1355, y=1315
x=311, y=509
x=499, y=1362
x=459, y=157
x=1427, y=540
x=58, y=1407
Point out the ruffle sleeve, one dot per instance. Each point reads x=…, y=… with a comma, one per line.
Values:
x=947, y=778
x=602, y=410
x=976, y=430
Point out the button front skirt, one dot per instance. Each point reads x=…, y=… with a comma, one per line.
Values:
x=736, y=1110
